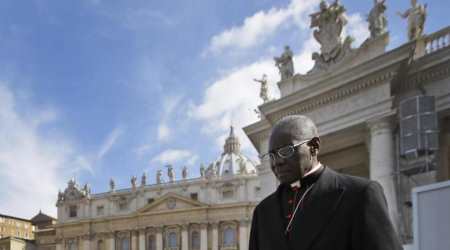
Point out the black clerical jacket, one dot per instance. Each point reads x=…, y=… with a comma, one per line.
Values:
x=341, y=213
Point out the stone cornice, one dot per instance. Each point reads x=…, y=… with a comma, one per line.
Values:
x=340, y=93
x=330, y=81
x=423, y=72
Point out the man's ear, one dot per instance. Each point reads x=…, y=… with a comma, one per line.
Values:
x=314, y=144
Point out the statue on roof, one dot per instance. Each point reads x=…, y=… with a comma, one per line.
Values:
x=133, y=182
x=86, y=189
x=60, y=196
x=210, y=171
x=285, y=63
x=143, y=179
x=170, y=173
x=263, y=92
x=184, y=173
x=202, y=170
x=329, y=21
x=112, y=185
x=376, y=18
x=158, y=176
x=416, y=15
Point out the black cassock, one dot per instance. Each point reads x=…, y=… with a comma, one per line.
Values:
x=340, y=212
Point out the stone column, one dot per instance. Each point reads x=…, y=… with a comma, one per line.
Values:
x=86, y=242
x=142, y=239
x=243, y=235
x=203, y=236
x=112, y=242
x=159, y=238
x=215, y=236
x=382, y=162
x=59, y=244
x=184, y=237
x=134, y=240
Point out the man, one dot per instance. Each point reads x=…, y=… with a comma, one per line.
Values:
x=315, y=207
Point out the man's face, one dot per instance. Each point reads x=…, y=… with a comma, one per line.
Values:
x=290, y=169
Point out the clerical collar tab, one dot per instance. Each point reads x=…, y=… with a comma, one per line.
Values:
x=295, y=184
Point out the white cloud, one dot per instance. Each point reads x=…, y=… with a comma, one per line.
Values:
x=142, y=150
x=357, y=28
x=171, y=156
x=260, y=26
x=109, y=142
x=163, y=132
x=32, y=167
x=169, y=105
x=232, y=99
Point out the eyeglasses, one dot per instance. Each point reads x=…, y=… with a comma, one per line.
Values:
x=284, y=152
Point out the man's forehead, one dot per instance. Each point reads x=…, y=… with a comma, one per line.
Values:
x=282, y=138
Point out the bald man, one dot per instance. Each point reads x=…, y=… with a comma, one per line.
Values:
x=314, y=207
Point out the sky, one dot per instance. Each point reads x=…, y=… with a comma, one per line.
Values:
x=97, y=89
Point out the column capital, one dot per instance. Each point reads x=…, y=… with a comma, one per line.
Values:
x=380, y=123
x=203, y=225
x=86, y=237
x=184, y=227
x=214, y=224
x=244, y=222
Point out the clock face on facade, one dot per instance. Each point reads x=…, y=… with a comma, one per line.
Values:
x=171, y=203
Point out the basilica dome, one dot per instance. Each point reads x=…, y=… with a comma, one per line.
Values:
x=232, y=161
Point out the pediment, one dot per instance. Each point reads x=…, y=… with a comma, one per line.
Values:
x=171, y=201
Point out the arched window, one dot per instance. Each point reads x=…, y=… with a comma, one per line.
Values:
x=100, y=245
x=195, y=240
x=229, y=237
x=172, y=240
x=151, y=243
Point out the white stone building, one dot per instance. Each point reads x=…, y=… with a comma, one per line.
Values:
x=383, y=115
x=210, y=212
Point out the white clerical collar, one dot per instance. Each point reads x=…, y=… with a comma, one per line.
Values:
x=314, y=169
x=295, y=184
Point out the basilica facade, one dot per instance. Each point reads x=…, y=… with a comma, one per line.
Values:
x=209, y=212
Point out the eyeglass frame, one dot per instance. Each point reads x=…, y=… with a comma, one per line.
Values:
x=277, y=152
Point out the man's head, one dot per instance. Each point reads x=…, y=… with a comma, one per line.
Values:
x=298, y=139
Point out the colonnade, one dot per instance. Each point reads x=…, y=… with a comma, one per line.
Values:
x=139, y=238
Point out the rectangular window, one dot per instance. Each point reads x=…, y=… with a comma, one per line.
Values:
x=72, y=211
x=123, y=206
x=100, y=210
x=150, y=200
x=194, y=196
x=227, y=194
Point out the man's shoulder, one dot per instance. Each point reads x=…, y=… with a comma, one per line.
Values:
x=269, y=201
x=350, y=182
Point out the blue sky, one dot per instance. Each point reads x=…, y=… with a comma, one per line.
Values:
x=98, y=89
